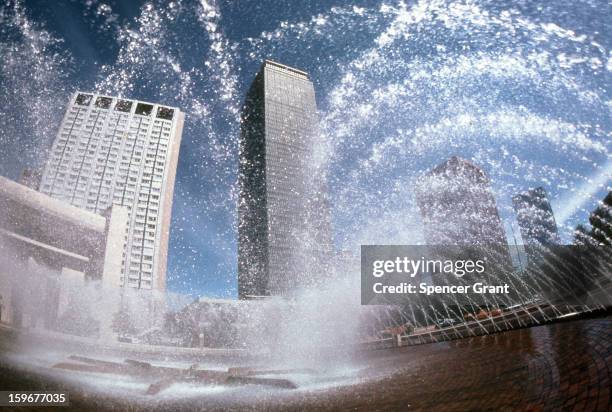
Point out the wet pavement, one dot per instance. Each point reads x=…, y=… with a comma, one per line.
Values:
x=561, y=366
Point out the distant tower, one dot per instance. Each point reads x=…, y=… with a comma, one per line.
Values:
x=284, y=234
x=458, y=208
x=112, y=151
x=535, y=217
x=601, y=222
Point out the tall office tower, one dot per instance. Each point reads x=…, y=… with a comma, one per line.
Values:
x=124, y=152
x=535, y=217
x=284, y=235
x=458, y=208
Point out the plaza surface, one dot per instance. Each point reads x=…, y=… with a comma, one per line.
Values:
x=559, y=366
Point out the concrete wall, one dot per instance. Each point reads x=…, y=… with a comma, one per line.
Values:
x=53, y=237
x=161, y=249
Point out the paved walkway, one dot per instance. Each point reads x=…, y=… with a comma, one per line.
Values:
x=562, y=366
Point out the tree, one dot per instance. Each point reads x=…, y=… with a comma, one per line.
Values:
x=123, y=324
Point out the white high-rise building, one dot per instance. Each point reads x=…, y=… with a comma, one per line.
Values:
x=124, y=152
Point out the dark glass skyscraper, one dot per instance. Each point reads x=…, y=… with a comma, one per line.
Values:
x=535, y=218
x=458, y=208
x=284, y=225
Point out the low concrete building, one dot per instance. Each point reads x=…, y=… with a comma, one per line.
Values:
x=45, y=244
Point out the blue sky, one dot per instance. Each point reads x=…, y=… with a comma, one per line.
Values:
x=520, y=88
